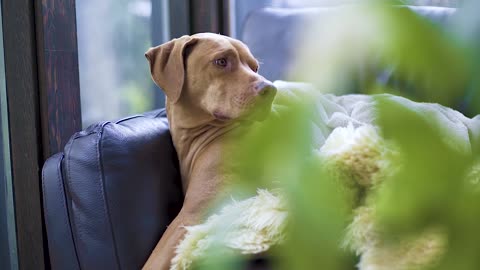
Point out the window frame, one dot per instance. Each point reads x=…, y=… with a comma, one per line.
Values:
x=24, y=129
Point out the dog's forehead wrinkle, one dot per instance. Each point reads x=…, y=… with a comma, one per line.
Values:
x=208, y=51
x=245, y=55
x=218, y=42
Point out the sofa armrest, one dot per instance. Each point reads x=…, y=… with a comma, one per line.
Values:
x=109, y=197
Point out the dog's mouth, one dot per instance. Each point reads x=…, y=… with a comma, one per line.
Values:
x=221, y=116
x=257, y=113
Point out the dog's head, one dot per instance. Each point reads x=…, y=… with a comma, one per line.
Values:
x=213, y=75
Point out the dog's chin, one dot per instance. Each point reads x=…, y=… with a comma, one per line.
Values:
x=257, y=114
x=250, y=115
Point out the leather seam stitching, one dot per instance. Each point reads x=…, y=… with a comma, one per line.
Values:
x=64, y=202
x=69, y=206
x=104, y=197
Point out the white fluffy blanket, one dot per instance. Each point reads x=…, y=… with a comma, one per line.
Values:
x=348, y=141
x=254, y=225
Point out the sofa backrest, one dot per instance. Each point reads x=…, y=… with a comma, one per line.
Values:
x=272, y=34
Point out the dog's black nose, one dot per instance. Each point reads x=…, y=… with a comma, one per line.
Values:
x=265, y=88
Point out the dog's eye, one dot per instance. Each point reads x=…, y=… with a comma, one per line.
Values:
x=222, y=62
x=255, y=69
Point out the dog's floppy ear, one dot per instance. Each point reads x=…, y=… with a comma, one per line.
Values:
x=167, y=66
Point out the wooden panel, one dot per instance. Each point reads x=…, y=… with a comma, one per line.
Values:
x=61, y=115
x=206, y=16
x=58, y=73
x=179, y=17
x=226, y=20
x=23, y=108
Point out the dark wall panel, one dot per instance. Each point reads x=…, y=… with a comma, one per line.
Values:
x=23, y=108
x=179, y=18
x=206, y=16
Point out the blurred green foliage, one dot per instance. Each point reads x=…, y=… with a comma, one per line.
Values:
x=429, y=189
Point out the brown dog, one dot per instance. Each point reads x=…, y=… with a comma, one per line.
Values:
x=212, y=88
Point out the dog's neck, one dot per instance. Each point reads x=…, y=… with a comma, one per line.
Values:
x=195, y=133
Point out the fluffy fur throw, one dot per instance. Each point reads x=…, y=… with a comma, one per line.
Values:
x=254, y=225
x=360, y=160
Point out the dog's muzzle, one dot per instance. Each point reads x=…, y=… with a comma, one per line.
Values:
x=266, y=92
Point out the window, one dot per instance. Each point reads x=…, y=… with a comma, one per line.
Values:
x=115, y=80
